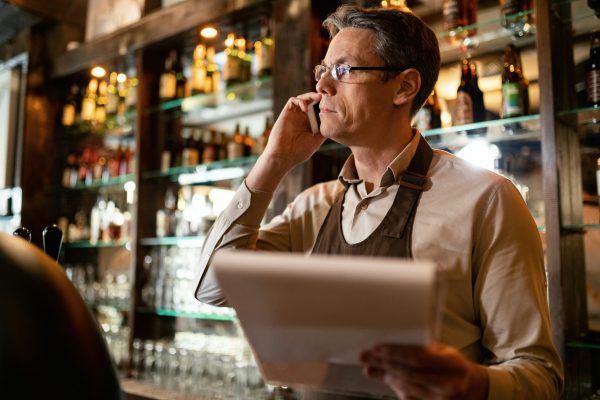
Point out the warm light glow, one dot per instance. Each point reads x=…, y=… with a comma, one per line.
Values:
x=230, y=40
x=121, y=78
x=480, y=153
x=98, y=72
x=209, y=32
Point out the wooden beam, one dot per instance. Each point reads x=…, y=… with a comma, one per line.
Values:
x=151, y=29
x=70, y=11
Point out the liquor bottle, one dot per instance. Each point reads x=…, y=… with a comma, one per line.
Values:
x=222, y=143
x=69, y=112
x=180, y=79
x=125, y=161
x=197, y=143
x=249, y=142
x=261, y=143
x=213, y=76
x=88, y=105
x=464, y=100
x=523, y=82
x=430, y=115
x=512, y=92
x=189, y=154
x=112, y=94
x=165, y=217
x=198, y=78
x=69, y=178
x=231, y=70
x=122, y=93
x=459, y=14
x=264, y=51
x=245, y=63
x=168, y=78
x=101, y=100
x=235, y=148
x=516, y=16
x=477, y=95
x=592, y=72
x=210, y=147
x=165, y=155
x=131, y=84
x=595, y=5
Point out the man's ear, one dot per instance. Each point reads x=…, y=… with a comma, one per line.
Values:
x=409, y=83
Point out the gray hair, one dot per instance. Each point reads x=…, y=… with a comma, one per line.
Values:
x=402, y=40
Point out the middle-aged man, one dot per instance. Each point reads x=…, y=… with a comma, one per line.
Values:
x=396, y=197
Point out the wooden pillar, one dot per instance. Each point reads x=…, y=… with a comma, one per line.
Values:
x=562, y=192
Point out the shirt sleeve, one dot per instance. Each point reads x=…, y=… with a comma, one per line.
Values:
x=510, y=300
x=238, y=227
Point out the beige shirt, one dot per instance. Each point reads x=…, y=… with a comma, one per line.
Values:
x=470, y=221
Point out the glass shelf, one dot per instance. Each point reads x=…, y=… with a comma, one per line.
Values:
x=248, y=91
x=491, y=36
x=114, y=181
x=591, y=340
x=190, y=241
x=123, y=130
x=585, y=115
x=226, y=315
x=100, y=304
x=524, y=128
x=202, y=168
x=582, y=227
x=86, y=244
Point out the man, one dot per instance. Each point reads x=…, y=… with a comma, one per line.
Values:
x=397, y=197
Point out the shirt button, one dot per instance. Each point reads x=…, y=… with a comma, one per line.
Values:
x=364, y=206
x=240, y=204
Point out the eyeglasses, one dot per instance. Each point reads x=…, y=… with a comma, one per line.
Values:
x=341, y=72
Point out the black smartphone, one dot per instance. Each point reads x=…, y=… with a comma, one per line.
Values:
x=314, y=118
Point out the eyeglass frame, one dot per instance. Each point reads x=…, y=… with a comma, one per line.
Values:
x=349, y=68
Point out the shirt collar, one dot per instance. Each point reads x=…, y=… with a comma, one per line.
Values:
x=349, y=176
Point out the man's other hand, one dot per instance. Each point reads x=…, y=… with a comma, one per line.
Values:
x=437, y=371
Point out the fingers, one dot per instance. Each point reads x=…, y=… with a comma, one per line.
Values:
x=303, y=101
x=439, y=369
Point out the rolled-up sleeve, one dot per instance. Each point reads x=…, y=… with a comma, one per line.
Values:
x=236, y=227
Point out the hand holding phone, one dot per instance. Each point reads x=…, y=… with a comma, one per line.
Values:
x=313, y=117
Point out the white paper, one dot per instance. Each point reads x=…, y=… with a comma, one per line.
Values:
x=302, y=314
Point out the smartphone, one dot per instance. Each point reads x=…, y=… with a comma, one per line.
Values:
x=314, y=118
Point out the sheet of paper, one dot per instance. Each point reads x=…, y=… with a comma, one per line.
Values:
x=302, y=314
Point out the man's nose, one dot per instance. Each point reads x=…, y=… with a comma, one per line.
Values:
x=326, y=85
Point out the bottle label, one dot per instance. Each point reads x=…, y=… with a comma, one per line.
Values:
x=512, y=104
x=451, y=12
x=464, y=109
x=88, y=109
x=168, y=86
x=165, y=160
x=593, y=86
x=68, y=116
x=198, y=78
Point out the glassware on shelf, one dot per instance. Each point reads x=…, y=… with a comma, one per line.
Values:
x=200, y=364
x=171, y=282
x=516, y=16
x=459, y=18
x=105, y=289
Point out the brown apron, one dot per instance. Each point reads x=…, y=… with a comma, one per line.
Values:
x=392, y=238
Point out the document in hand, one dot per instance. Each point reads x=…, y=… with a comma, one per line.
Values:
x=308, y=318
